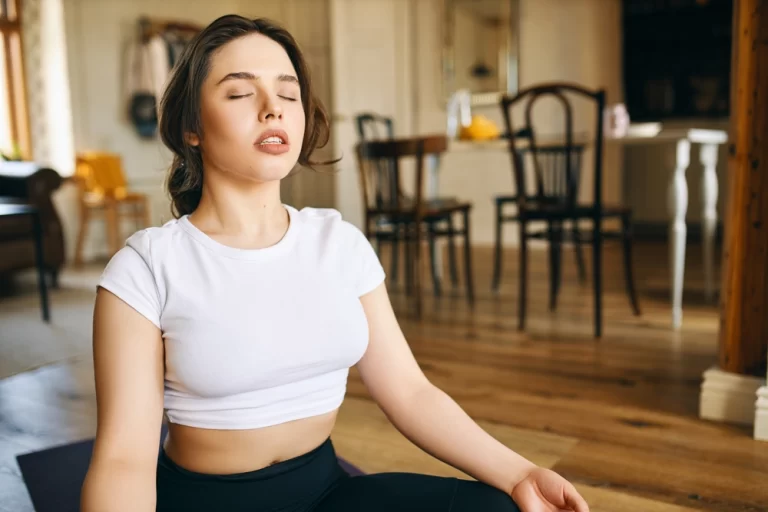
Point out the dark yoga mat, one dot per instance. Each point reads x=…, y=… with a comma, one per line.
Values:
x=54, y=476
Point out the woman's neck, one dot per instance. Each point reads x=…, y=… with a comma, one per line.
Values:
x=250, y=213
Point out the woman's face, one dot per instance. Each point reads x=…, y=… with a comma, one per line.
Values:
x=251, y=111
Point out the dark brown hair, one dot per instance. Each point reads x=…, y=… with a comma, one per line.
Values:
x=180, y=105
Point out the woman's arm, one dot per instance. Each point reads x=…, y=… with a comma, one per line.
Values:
x=423, y=413
x=128, y=365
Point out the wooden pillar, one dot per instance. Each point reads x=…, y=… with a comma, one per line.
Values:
x=729, y=392
x=744, y=298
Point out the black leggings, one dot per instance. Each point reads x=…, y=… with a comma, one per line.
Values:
x=315, y=482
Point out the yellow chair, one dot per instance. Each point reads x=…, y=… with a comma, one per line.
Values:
x=104, y=189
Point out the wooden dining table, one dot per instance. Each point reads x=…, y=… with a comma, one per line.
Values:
x=707, y=141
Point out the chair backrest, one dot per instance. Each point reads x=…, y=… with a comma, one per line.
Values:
x=556, y=158
x=101, y=174
x=382, y=185
x=371, y=126
x=557, y=171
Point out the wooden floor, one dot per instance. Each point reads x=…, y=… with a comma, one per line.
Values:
x=617, y=416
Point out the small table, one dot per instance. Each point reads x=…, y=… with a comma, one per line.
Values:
x=10, y=209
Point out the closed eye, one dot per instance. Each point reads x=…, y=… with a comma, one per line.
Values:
x=237, y=96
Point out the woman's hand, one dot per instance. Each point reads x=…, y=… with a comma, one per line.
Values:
x=543, y=490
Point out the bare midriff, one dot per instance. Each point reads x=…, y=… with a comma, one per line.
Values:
x=223, y=452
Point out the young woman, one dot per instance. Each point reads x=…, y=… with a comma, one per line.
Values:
x=240, y=319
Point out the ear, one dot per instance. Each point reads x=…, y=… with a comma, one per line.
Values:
x=192, y=139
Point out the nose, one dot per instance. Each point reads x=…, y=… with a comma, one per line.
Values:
x=270, y=109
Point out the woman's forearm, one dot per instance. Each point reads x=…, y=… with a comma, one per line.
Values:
x=113, y=486
x=433, y=421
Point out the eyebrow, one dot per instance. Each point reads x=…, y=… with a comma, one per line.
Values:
x=244, y=75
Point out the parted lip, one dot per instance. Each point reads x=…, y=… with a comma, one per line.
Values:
x=273, y=133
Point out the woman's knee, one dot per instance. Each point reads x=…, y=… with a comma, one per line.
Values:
x=472, y=496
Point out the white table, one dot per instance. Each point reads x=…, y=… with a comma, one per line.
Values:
x=677, y=193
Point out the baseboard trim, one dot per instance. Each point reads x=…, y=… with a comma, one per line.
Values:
x=729, y=397
x=761, y=415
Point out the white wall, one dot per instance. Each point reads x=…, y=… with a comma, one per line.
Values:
x=97, y=32
x=371, y=72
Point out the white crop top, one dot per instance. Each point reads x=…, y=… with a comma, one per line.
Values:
x=252, y=337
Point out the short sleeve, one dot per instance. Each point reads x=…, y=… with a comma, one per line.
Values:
x=129, y=276
x=368, y=271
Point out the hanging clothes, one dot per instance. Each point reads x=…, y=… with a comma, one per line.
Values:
x=148, y=70
x=176, y=42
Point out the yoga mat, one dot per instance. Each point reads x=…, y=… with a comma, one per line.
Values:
x=55, y=475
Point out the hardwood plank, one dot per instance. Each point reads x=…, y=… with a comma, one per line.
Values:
x=601, y=499
x=647, y=472
x=364, y=436
x=626, y=425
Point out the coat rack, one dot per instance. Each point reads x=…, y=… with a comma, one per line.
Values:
x=149, y=27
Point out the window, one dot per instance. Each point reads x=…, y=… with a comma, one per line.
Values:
x=14, y=120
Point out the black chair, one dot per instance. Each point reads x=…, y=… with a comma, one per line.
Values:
x=413, y=217
x=556, y=170
x=551, y=160
x=371, y=125
x=374, y=127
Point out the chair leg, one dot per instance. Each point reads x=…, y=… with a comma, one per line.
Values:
x=522, y=298
x=146, y=212
x=408, y=263
x=497, y=255
x=417, y=271
x=81, y=234
x=468, y=261
x=597, y=249
x=40, y=265
x=559, y=261
x=113, y=227
x=54, y=275
x=555, y=262
x=395, y=252
x=137, y=216
x=433, y=261
x=551, y=251
x=578, y=250
x=626, y=221
x=454, y=271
